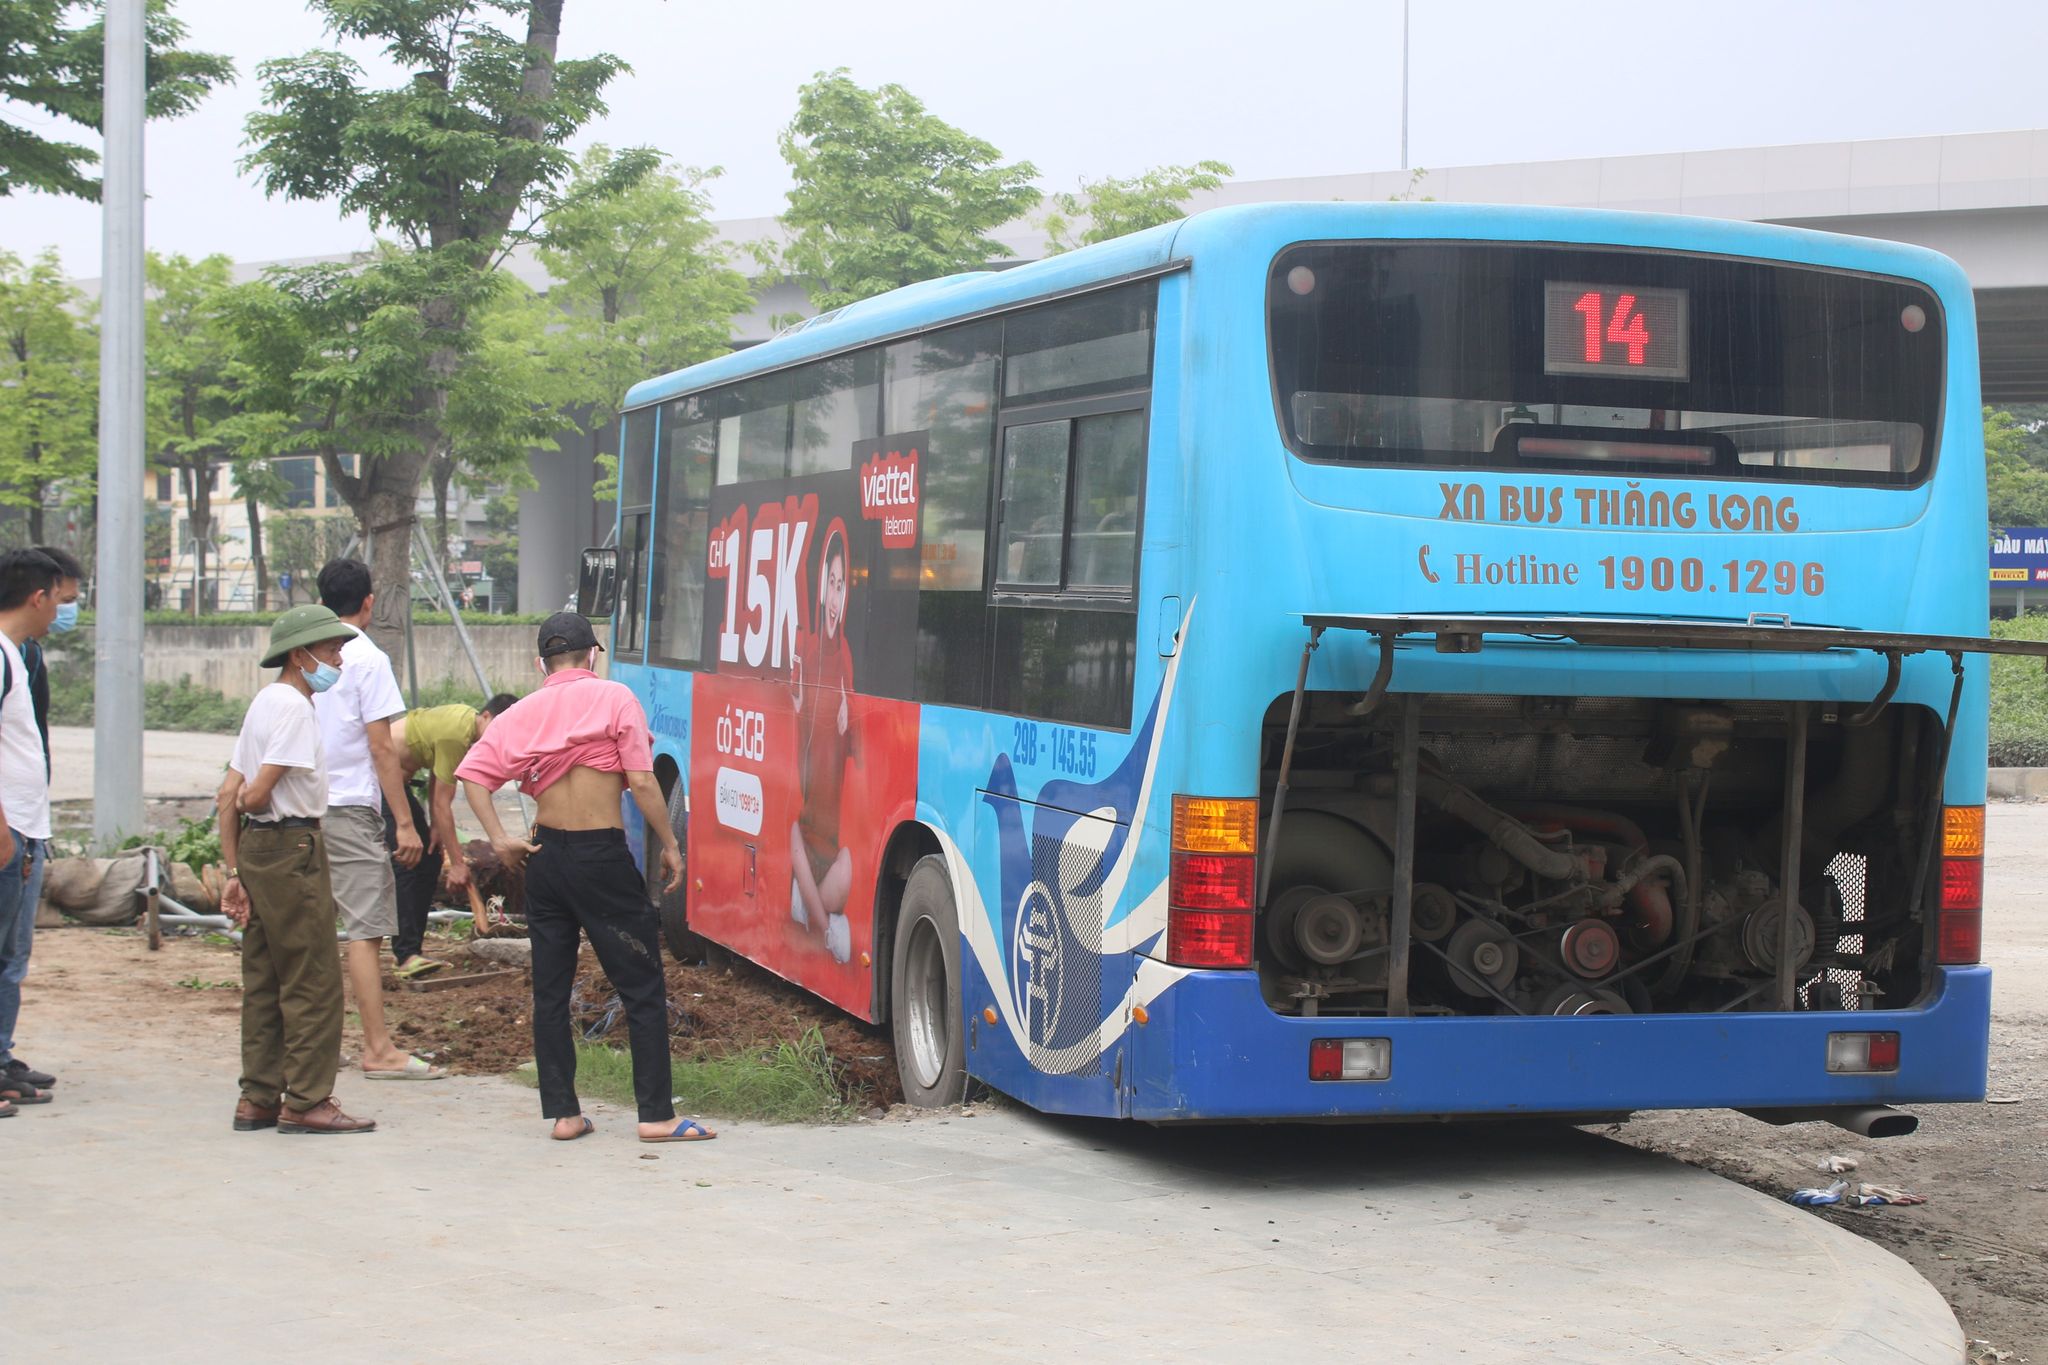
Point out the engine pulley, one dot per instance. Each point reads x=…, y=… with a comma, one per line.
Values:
x=1329, y=929
x=1589, y=948
x=1482, y=951
x=1568, y=999
x=1760, y=935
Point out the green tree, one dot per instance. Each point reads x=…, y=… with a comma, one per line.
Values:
x=461, y=161
x=259, y=485
x=48, y=385
x=509, y=398
x=1115, y=208
x=300, y=545
x=2015, y=471
x=196, y=384
x=644, y=286
x=888, y=194
x=52, y=61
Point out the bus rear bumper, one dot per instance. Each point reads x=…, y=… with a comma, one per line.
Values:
x=1211, y=1049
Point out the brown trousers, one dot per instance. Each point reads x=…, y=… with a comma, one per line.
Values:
x=291, y=971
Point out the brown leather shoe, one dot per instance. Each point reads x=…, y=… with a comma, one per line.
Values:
x=324, y=1117
x=249, y=1116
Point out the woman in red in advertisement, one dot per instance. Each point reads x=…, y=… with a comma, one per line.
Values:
x=822, y=870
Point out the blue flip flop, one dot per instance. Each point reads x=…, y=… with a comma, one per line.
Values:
x=585, y=1131
x=689, y=1130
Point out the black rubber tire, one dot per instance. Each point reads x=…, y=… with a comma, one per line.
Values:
x=927, y=913
x=674, y=906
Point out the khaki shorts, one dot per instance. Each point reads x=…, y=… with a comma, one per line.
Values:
x=359, y=865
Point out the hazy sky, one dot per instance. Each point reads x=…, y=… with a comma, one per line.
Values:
x=1108, y=87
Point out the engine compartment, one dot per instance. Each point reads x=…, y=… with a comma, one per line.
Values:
x=1594, y=855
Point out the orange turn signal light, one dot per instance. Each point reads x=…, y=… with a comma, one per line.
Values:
x=1215, y=824
x=1962, y=832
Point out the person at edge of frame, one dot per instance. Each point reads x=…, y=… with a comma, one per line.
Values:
x=270, y=807
x=574, y=744
x=71, y=577
x=29, y=582
x=365, y=781
x=432, y=740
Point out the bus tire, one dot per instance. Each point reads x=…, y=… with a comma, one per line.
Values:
x=674, y=906
x=925, y=1013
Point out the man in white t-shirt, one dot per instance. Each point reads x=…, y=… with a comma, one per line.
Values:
x=365, y=776
x=28, y=604
x=271, y=804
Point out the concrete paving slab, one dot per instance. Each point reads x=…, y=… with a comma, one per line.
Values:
x=458, y=1233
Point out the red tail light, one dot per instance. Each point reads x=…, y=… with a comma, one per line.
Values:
x=1208, y=938
x=1959, y=933
x=1211, y=882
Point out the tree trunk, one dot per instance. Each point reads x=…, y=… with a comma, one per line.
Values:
x=443, y=475
x=199, y=493
x=35, y=515
x=256, y=552
x=387, y=522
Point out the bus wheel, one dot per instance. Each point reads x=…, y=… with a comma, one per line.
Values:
x=674, y=906
x=924, y=990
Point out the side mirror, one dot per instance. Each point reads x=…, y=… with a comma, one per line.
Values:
x=597, y=587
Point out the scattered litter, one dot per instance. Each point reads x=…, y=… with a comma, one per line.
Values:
x=649, y=1156
x=1984, y=1353
x=1815, y=1198
x=1886, y=1194
x=1943, y=1256
x=703, y=1184
x=1983, y=1260
x=2002, y=1099
x=1837, y=1165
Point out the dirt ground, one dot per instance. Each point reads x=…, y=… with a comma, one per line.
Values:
x=1982, y=1236
x=192, y=984
x=487, y=1027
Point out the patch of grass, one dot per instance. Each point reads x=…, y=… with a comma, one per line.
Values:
x=794, y=1082
x=2019, y=700
x=196, y=983
x=165, y=706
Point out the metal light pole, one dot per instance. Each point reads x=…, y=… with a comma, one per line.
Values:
x=117, y=702
x=1404, y=84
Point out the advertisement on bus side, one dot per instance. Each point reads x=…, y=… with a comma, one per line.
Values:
x=800, y=725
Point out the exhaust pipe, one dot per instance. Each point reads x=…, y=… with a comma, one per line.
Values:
x=1864, y=1120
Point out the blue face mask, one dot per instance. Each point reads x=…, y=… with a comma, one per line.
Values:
x=67, y=618
x=322, y=677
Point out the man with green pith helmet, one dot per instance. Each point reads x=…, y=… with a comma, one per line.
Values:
x=270, y=808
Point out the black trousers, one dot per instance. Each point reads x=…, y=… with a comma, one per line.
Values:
x=585, y=880
x=416, y=884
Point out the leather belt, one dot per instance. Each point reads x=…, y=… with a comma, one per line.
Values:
x=287, y=822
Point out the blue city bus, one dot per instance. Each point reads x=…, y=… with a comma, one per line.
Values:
x=1333, y=660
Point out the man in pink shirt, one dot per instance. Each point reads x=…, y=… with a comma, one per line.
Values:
x=573, y=746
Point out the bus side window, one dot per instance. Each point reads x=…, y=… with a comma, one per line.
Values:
x=689, y=448
x=636, y=495
x=944, y=384
x=1034, y=506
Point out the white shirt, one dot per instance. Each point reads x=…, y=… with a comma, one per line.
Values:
x=24, y=777
x=368, y=691
x=281, y=728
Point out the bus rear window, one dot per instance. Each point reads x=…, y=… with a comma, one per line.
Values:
x=1634, y=362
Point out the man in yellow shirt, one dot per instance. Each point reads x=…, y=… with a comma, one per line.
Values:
x=432, y=740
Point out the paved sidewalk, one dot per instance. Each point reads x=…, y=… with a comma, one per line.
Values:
x=175, y=763
x=142, y=1228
